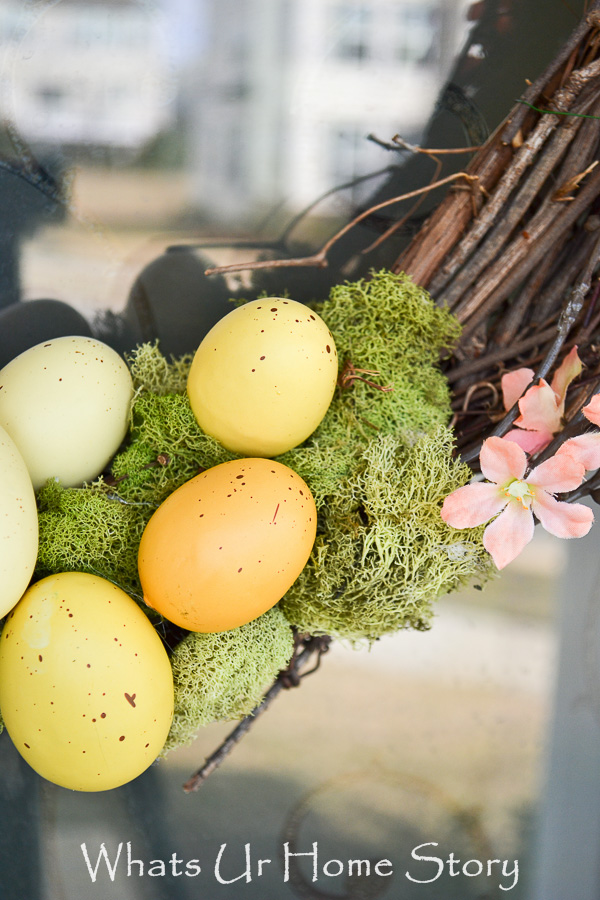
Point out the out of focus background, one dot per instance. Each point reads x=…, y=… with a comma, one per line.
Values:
x=141, y=141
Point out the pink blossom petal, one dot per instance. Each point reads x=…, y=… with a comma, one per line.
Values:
x=506, y=536
x=585, y=449
x=529, y=441
x=514, y=385
x=569, y=369
x=473, y=505
x=501, y=460
x=562, y=472
x=565, y=520
x=592, y=410
x=539, y=409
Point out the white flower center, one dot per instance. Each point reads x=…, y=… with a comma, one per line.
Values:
x=520, y=490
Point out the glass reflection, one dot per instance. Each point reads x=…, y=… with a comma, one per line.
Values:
x=134, y=126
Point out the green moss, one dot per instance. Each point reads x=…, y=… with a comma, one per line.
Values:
x=224, y=676
x=166, y=449
x=384, y=554
x=154, y=373
x=389, y=326
x=90, y=530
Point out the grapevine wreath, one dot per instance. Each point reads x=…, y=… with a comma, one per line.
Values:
x=464, y=408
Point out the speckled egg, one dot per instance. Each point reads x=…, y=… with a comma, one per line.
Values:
x=263, y=377
x=18, y=525
x=225, y=547
x=66, y=405
x=86, y=688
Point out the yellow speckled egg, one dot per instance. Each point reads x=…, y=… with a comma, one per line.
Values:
x=263, y=377
x=66, y=404
x=18, y=525
x=86, y=687
x=225, y=547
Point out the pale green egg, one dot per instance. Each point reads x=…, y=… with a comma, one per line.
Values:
x=66, y=405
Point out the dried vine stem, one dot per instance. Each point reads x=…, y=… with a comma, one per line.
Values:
x=306, y=648
x=319, y=259
x=423, y=258
x=498, y=228
x=569, y=316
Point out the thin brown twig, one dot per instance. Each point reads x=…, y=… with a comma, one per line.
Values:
x=493, y=357
x=285, y=679
x=497, y=229
x=398, y=225
x=428, y=151
x=319, y=259
x=569, y=316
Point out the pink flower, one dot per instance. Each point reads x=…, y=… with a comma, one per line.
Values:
x=542, y=406
x=585, y=448
x=511, y=498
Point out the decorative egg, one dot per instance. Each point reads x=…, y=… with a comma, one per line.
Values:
x=225, y=547
x=263, y=377
x=66, y=405
x=86, y=687
x=18, y=525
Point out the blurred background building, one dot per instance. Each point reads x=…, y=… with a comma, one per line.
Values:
x=84, y=72
x=289, y=92
x=268, y=103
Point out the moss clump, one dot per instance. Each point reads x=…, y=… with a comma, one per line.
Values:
x=153, y=373
x=384, y=554
x=224, y=676
x=90, y=530
x=388, y=326
x=166, y=449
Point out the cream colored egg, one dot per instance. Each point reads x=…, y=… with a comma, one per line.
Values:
x=86, y=687
x=18, y=525
x=66, y=405
x=263, y=377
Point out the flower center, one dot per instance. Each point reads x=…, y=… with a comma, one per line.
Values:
x=519, y=490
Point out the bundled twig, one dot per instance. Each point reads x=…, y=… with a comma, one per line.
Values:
x=520, y=273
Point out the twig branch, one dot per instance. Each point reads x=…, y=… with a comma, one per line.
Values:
x=290, y=677
x=319, y=260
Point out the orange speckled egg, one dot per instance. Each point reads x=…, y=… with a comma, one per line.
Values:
x=225, y=547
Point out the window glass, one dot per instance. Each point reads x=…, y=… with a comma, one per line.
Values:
x=143, y=142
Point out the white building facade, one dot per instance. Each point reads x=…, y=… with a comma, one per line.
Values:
x=84, y=72
x=291, y=89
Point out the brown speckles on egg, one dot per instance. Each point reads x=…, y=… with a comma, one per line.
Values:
x=220, y=551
